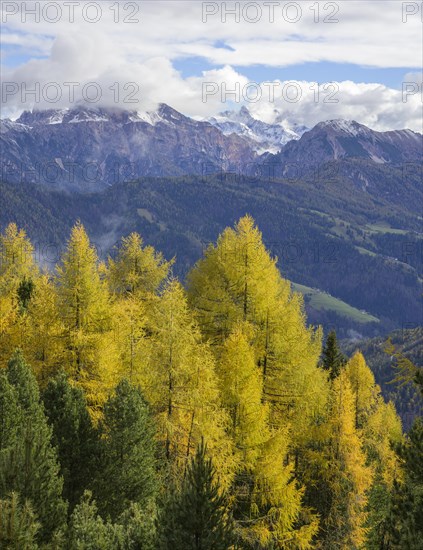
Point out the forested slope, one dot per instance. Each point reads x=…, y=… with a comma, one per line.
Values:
x=136, y=413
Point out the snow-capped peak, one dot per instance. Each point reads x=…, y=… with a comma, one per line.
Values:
x=346, y=126
x=266, y=137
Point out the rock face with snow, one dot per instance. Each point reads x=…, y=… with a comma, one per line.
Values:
x=384, y=164
x=263, y=137
x=341, y=139
x=88, y=149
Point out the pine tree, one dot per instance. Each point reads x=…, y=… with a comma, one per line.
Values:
x=332, y=358
x=25, y=291
x=140, y=526
x=404, y=524
x=87, y=529
x=197, y=517
x=74, y=436
x=18, y=525
x=28, y=460
x=404, y=527
x=128, y=442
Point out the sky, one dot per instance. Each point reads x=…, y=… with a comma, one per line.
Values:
x=300, y=62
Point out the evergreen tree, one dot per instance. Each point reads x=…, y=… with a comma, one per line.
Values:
x=140, y=526
x=197, y=517
x=74, y=436
x=18, y=525
x=28, y=460
x=332, y=358
x=25, y=291
x=405, y=521
x=88, y=531
x=128, y=440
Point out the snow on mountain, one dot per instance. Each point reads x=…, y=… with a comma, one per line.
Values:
x=120, y=144
x=347, y=139
x=165, y=142
x=265, y=137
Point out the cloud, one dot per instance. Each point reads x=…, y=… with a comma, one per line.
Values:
x=131, y=64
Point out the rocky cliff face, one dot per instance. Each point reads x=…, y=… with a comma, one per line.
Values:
x=90, y=149
x=341, y=139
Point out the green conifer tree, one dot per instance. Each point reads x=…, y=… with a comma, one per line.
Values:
x=197, y=517
x=332, y=358
x=404, y=528
x=74, y=436
x=29, y=463
x=18, y=525
x=128, y=448
x=88, y=531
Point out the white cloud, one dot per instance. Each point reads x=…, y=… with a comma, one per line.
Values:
x=106, y=52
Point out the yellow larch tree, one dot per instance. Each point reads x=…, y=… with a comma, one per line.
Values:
x=238, y=282
x=44, y=344
x=18, y=277
x=348, y=475
x=267, y=502
x=137, y=269
x=181, y=385
x=381, y=430
x=83, y=303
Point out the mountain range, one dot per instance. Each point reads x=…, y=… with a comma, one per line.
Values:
x=88, y=149
x=263, y=137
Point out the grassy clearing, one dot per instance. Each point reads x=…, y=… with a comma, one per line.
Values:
x=322, y=301
x=385, y=228
x=365, y=251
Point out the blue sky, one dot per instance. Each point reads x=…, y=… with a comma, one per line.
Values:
x=317, y=72
x=171, y=49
